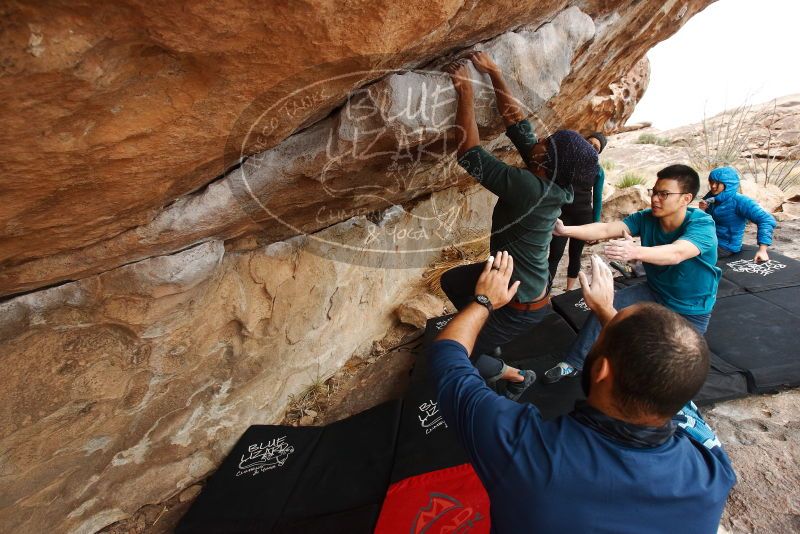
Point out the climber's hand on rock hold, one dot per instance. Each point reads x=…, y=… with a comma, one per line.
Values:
x=494, y=279
x=459, y=74
x=484, y=63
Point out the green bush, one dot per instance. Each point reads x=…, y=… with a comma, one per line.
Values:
x=630, y=179
x=653, y=139
x=608, y=165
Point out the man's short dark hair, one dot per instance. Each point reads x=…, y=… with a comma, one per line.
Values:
x=659, y=361
x=687, y=178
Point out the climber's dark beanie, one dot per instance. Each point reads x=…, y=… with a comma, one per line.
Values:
x=573, y=159
x=600, y=137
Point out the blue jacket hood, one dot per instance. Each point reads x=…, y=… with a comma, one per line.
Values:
x=729, y=178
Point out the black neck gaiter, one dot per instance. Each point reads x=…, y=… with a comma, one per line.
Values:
x=636, y=436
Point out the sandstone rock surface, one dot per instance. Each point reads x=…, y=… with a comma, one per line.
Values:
x=125, y=388
x=417, y=310
x=138, y=115
x=624, y=202
x=770, y=197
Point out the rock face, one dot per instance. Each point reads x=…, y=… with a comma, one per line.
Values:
x=125, y=388
x=419, y=309
x=138, y=115
x=202, y=203
x=624, y=202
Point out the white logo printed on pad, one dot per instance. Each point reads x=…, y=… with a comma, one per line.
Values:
x=442, y=323
x=263, y=457
x=430, y=419
x=749, y=266
x=581, y=305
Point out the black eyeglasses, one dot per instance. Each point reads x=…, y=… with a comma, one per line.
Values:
x=662, y=194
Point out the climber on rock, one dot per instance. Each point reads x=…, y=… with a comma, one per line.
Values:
x=529, y=202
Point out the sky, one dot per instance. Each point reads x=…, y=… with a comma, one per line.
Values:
x=734, y=51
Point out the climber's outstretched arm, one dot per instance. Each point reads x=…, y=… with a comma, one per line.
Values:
x=507, y=105
x=466, y=127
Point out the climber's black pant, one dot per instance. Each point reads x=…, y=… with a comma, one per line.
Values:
x=503, y=325
x=558, y=244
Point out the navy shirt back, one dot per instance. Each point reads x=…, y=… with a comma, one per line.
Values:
x=562, y=476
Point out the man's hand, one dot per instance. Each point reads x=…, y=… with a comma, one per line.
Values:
x=484, y=63
x=494, y=279
x=460, y=76
x=622, y=249
x=599, y=295
x=761, y=255
x=703, y=205
x=559, y=229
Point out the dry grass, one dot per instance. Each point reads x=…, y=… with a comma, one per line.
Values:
x=722, y=140
x=653, y=139
x=629, y=179
x=314, y=399
x=471, y=246
x=608, y=165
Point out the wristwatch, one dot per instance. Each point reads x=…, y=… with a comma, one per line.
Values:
x=483, y=300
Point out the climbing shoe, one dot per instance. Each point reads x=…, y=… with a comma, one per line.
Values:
x=623, y=268
x=514, y=390
x=562, y=370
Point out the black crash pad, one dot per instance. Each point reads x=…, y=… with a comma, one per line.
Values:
x=779, y=272
x=786, y=298
x=758, y=337
x=424, y=442
x=572, y=308
x=305, y=479
x=724, y=382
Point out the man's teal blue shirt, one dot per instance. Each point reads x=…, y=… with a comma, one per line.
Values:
x=690, y=287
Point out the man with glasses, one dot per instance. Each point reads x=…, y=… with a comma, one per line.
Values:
x=529, y=202
x=679, y=252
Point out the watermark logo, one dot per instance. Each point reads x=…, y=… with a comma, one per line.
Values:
x=261, y=457
x=354, y=145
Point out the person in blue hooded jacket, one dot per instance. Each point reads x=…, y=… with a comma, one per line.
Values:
x=731, y=210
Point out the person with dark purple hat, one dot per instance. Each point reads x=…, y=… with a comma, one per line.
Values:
x=529, y=203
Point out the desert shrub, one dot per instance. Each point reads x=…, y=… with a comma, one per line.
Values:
x=608, y=165
x=721, y=141
x=629, y=179
x=652, y=139
x=780, y=170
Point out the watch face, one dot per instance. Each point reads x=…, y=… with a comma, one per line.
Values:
x=483, y=299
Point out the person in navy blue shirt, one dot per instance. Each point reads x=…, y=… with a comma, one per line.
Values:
x=678, y=250
x=622, y=461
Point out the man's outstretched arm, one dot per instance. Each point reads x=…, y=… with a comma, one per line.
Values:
x=466, y=128
x=508, y=106
x=591, y=232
